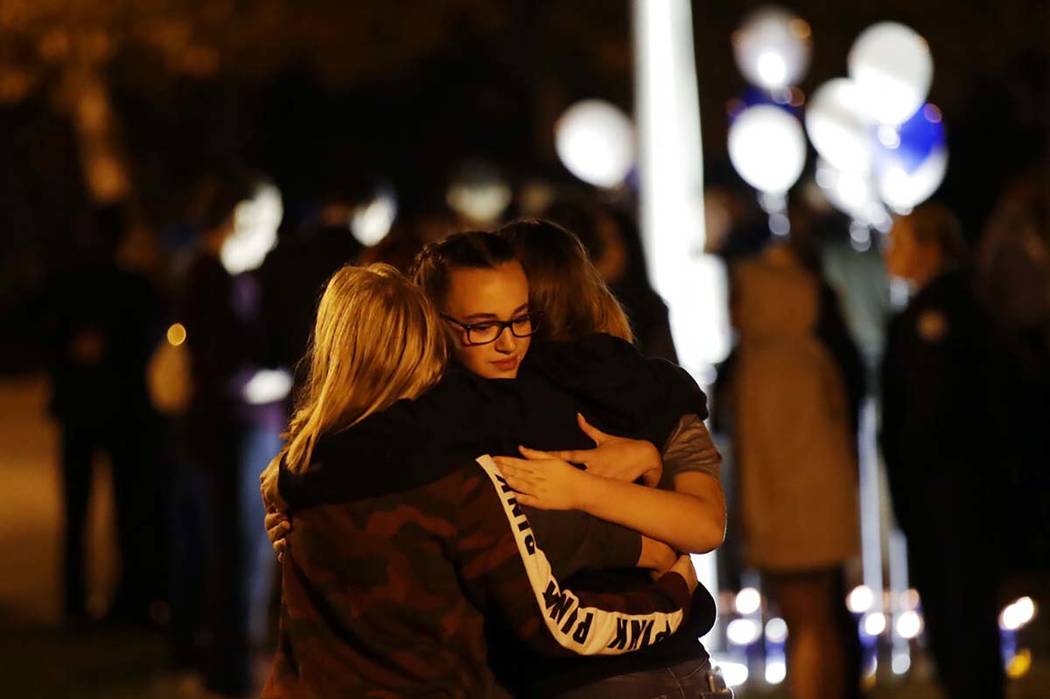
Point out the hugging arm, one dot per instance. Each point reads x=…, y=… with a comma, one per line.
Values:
x=690, y=518
x=508, y=576
x=574, y=540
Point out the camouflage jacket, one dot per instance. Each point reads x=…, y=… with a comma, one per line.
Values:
x=385, y=596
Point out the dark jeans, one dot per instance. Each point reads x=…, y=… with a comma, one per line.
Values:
x=693, y=679
x=241, y=560
x=958, y=586
x=188, y=513
x=132, y=472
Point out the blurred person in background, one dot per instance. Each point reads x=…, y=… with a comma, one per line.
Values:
x=940, y=451
x=1013, y=282
x=294, y=274
x=231, y=437
x=613, y=243
x=793, y=389
x=428, y=221
x=103, y=323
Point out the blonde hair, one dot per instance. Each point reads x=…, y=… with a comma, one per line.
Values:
x=564, y=284
x=377, y=339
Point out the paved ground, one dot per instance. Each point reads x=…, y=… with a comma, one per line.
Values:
x=40, y=661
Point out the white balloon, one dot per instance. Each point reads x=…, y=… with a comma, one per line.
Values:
x=893, y=69
x=267, y=386
x=853, y=193
x=902, y=190
x=767, y=147
x=772, y=48
x=255, y=223
x=839, y=127
x=479, y=192
x=372, y=221
x=595, y=141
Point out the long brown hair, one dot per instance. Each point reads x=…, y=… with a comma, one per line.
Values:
x=431, y=269
x=563, y=283
x=377, y=339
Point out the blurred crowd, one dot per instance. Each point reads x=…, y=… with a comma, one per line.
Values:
x=182, y=369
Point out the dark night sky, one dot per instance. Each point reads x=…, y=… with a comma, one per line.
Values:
x=322, y=94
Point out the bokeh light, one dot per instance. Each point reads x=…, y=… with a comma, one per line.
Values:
x=748, y=601
x=776, y=671
x=1020, y=664
x=772, y=48
x=860, y=599
x=176, y=334
x=909, y=624
x=479, y=193
x=853, y=193
x=874, y=623
x=892, y=67
x=255, y=223
x=776, y=630
x=743, y=632
x=267, y=386
x=839, y=126
x=371, y=222
x=734, y=674
x=595, y=142
x=1017, y=614
x=903, y=190
x=768, y=148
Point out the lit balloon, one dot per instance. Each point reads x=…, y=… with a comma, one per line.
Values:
x=772, y=48
x=478, y=192
x=893, y=69
x=595, y=142
x=790, y=100
x=255, y=223
x=768, y=148
x=910, y=144
x=903, y=190
x=370, y=222
x=267, y=386
x=853, y=193
x=839, y=127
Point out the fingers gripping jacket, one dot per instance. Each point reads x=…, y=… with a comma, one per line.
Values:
x=582, y=629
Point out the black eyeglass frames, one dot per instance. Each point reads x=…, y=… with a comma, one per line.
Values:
x=486, y=331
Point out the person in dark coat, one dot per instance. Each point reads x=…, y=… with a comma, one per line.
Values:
x=941, y=459
x=103, y=323
x=294, y=275
x=231, y=436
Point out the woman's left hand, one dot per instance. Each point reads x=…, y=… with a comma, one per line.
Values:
x=544, y=481
x=620, y=458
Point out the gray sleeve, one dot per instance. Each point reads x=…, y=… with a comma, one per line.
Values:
x=575, y=541
x=689, y=449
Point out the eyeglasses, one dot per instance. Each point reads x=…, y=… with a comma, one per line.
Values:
x=490, y=330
